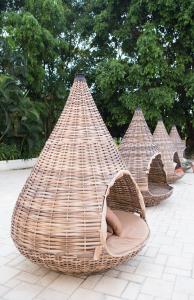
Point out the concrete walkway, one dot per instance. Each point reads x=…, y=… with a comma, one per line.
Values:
x=163, y=270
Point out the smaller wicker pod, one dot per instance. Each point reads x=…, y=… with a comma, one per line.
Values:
x=169, y=154
x=143, y=160
x=179, y=144
x=59, y=220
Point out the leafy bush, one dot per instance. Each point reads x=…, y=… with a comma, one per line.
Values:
x=8, y=152
x=20, y=121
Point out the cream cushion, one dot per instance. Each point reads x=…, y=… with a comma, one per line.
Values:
x=113, y=222
x=134, y=232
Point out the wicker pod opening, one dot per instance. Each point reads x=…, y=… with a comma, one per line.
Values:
x=169, y=154
x=143, y=160
x=121, y=196
x=176, y=160
x=180, y=147
x=157, y=184
x=59, y=220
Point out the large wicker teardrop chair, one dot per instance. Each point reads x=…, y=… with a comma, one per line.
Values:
x=170, y=158
x=77, y=187
x=143, y=160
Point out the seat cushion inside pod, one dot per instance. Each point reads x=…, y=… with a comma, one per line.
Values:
x=113, y=222
x=134, y=232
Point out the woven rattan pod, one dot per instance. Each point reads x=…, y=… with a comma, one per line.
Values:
x=59, y=219
x=179, y=144
x=170, y=156
x=143, y=160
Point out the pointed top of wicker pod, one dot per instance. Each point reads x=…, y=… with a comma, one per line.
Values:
x=60, y=217
x=143, y=159
x=170, y=156
x=179, y=144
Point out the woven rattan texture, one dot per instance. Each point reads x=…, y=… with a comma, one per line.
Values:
x=57, y=221
x=179, y=144
x=143, y=159
x=168, y=151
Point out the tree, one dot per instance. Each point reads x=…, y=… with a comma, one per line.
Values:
x=148, y=47
x=134, y=53
x=39, y=53
x=20, y=121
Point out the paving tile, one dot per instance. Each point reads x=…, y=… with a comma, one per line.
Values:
x=81, y=293
x=158, y=288
x=180, y=262
x=151, y=252
x=27, y=266
x=14, y=262
x=125, y=268
x=188, y=248
x=132, y=291
x=151, y=270
x=145, y=297
x=112, y=273
x=91, y=281
x=107, y=297
x=177, y=271
x=180, y=296
x=184, y=285
x=42, y=272
x=132, y=277
x=135, y=261
x=4, y=260
x=161, y=259
x=13, y=282
x=7, y=249
x=24, y=291
x=27, y=277
x=111, y=286
x=168, y=277
x=50, y=294
x=48, y=278
x=66, y=284
x=3, y=290
x=7, y=273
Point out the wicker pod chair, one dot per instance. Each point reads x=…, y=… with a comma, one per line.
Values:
x=170, y=156
x=59, y=219
x=143, y=160
x=180, y=146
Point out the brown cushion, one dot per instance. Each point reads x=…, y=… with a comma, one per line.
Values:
x=113, y=221
x=179, y=171
x=134, y=233
x=109, y=231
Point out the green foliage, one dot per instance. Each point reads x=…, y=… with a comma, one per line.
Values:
x=134, y=53
x=8, y=152
x=153, y=42
x=20, y=120
x=36, y=44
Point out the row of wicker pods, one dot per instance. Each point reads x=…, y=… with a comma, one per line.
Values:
x=59, y=220
x=152, y=160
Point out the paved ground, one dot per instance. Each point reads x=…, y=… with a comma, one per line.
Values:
x=163, y=270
